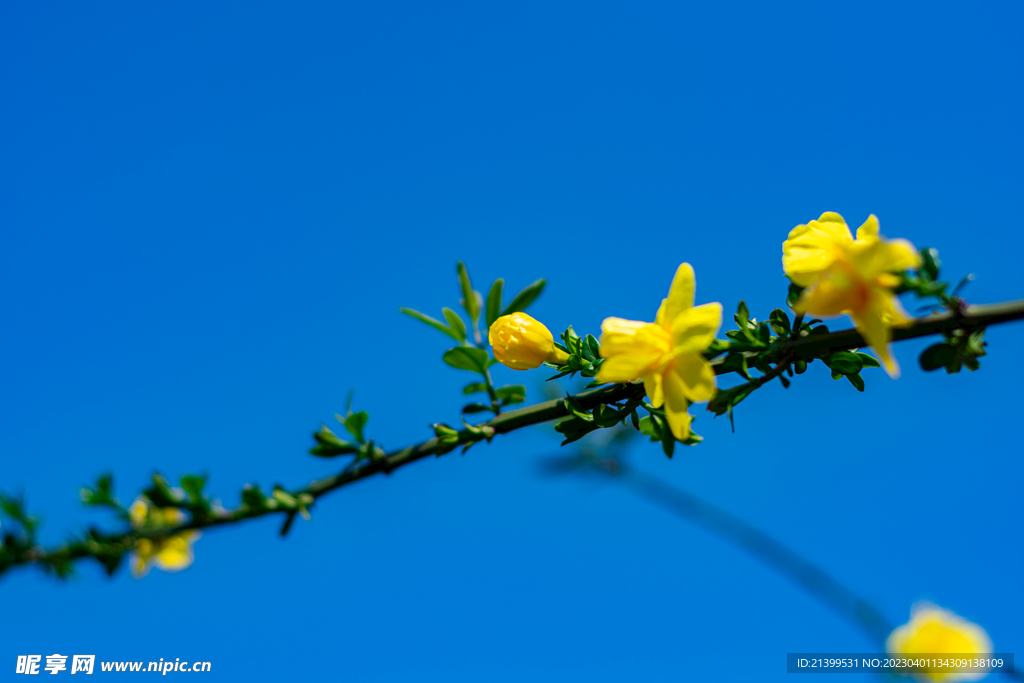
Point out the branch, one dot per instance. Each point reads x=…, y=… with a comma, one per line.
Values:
x=971, y=317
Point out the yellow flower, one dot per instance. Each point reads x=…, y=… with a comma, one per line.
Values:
x=172, y=553
x=856, y=277
x=522, y=343
x=932, y=629
x=666, y=354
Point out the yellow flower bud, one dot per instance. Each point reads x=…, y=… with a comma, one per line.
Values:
x=522, y=343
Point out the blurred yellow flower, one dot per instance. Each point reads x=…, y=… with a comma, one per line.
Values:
x=172, y=553
x=932, y=629
x=523, y=343
x=666, y=354
x=855, y=277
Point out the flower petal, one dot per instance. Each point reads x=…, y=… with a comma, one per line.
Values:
x=139, y=566
x=872, y=323
x=675, y=406
x=631, y=349
x=619, y=335
x=695, y=375
x=869, y=230
x=888, y=256
x=680, y=295
x=626, y=367
x=812, y=248
x=834, y=293
x=652, y=385
x=835, y=225
x=694, y=329
x=176, y=553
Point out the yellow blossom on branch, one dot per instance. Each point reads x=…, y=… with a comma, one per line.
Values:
x=666, y=354
x=523, y=343
x=856, y=277
x=172, y=553
x=934, y=630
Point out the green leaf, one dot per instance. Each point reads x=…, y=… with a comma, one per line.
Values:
x=355, y=422
x=443, y=431
x=574, y=429
x=843, y=361
x=512, y=393
x=779, y=322
x=494, y=302
x=976, y=343
x=254, y=497
x=474, y=408
x=742, y=316
x=160, y=493
x=455, y=322
x=466, y=358
x=588, y=350
x=590, y=343
x=474, y=387
x=857, y=381
x=793, y=294
x=329, y=445
x=436, y=324
x=470, y=298
x=286, y=499
x=525, y=297
x=668, y=441
x=867, y=360
x=577, y=409
x=937, y=356
x=930, y=263
x=648, y=427
x=193, y=486
x=735, y=361
x=726, y=399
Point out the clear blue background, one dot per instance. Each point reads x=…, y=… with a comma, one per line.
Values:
x=211, y=213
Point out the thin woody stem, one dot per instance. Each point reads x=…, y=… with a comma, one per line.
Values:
x=495, y=403
x=970, y=317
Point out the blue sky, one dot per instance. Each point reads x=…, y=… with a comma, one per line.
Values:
x=213, y=213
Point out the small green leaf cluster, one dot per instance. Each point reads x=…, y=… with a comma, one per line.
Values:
x=189, y=497
x=961, y=349
x=330, y=445
x=473, y=303
x=757, y=345
x=602, y=416
x=448, y=438
x=471, y=355
x=584, y=356
x=848, y=364
x=254, y=499
x=655, y=426
x=19, y=533
x=102, y=495
x=924, y=281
